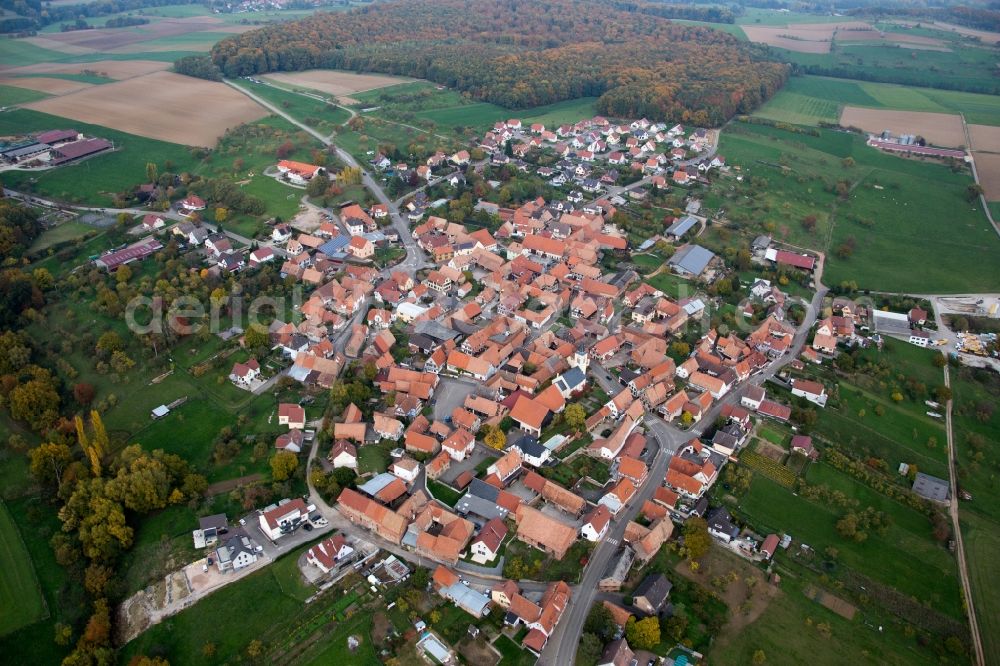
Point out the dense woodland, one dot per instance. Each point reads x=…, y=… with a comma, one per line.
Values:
x=519, y=54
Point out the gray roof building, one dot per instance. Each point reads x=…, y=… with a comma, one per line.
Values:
x=691, y=260
x=931, y=487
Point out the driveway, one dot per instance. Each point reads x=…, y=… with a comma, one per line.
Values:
x=451, y=393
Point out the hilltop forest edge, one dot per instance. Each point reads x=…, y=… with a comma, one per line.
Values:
x=519, y=54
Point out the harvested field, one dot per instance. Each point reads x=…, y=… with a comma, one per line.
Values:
x=988, y=168
x=107, y=39
x=113, y=69
x=61, y=47
x=783, y=38
x=940, y=129
x=985, y=138
x=161, y=105
x=836, y=604
x=45, y=85
x=335, y=82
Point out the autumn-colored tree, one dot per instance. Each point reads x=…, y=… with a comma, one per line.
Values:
x=643, y=634
x=495, y=439
x=255, y=650
x=696, y=539
x=109, y=343
x=35, y=402
x=283, y=465
x=575, y=416
x=98, y=630
x=221, y=214
x=256, y=338
x=48, y=460
x=759, y=658
x=84, y=393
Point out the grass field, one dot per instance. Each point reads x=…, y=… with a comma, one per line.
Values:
x=892, y=209
x=11, y=96
x=982, y=541
x=976, y=426
x=62, y=233
x=905, y=557
x=808, y=100
x=21, y=601
x=303, y=108
x=97, y=179
x=785, y=636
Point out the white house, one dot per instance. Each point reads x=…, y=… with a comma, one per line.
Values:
x=244, y=373
x=596, y=523
x=486, y=545
x=261, y=255
x=277, y=521
x=919, y=338
x=281, y=233
x=812, y=391
x=406, y=469
x=753, y=397
x=234, y=554
x=327, y=553
x=344, y=454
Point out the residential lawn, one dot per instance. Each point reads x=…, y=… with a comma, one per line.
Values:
x=787, y=633
x=444, y=493
x=672, y=285
x=373, y=458
x=893, y=207
x=904, y=557
x=454, y=622
x=12, y=96
x=513, y=654
x=286, y=571
x=21, y=601
x=982, y=542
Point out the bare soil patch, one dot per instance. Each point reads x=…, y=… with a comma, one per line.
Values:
x=940, y=129
x=161, y=105
x=769, y=450
x=834, y=603
x=988, y=168
x=786, y=39
x=334, y=82
x=113, y=69
x=985, y=138
x=477, y=651
x=46, y=85
x=747, y=601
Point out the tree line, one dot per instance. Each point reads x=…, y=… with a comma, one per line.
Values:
x=520, y=55
x=29, y=15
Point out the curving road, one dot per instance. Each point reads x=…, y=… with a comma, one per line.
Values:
x=415, y=257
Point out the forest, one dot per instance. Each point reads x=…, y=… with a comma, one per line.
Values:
x=522, y=54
